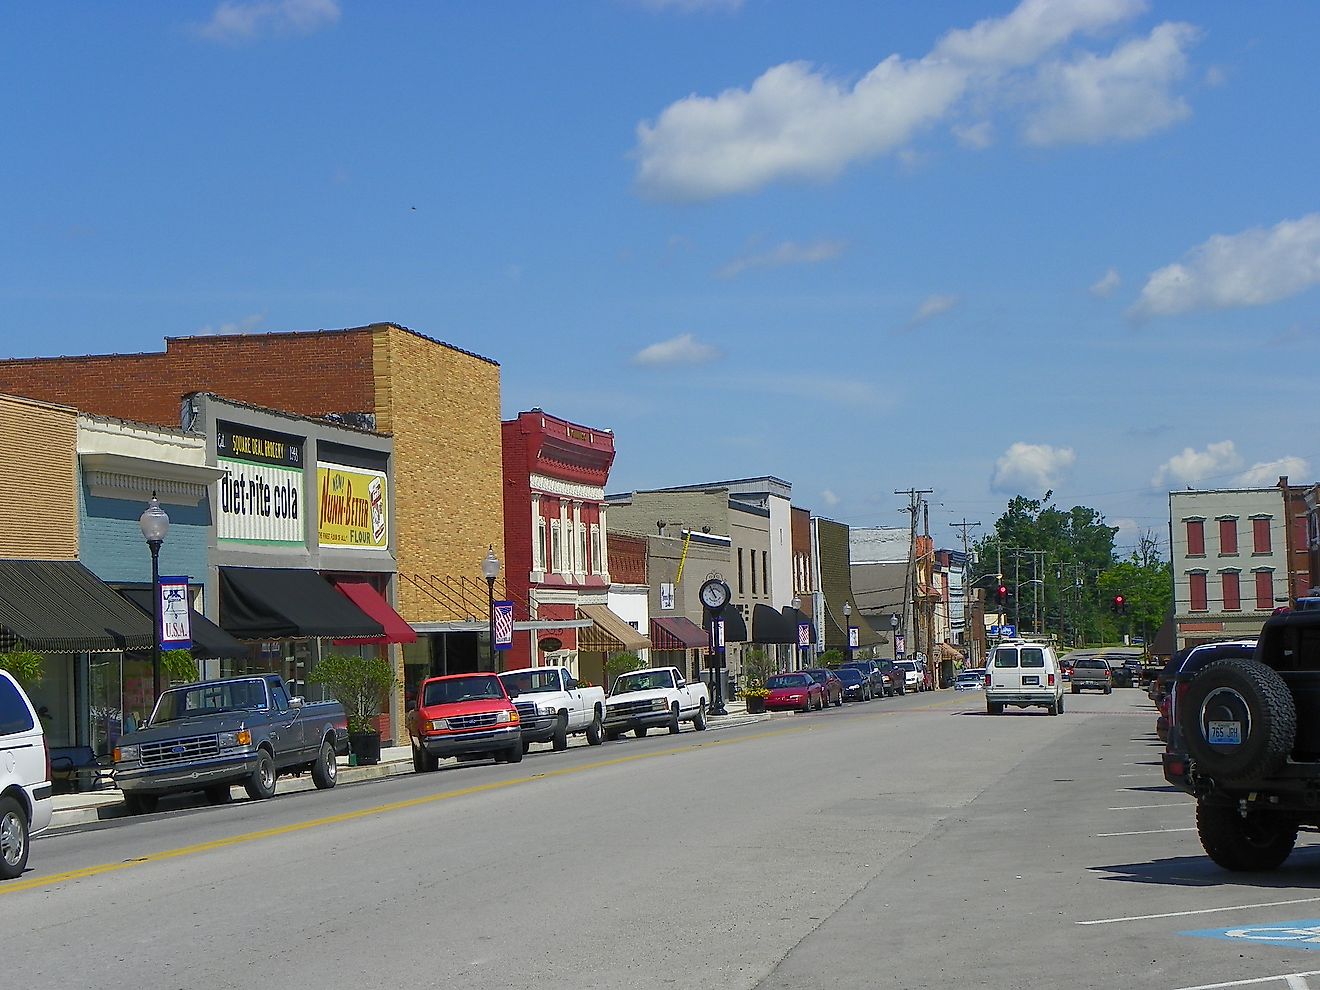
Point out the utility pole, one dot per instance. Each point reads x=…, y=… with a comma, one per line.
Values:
x=964, y=526
x=915, y=500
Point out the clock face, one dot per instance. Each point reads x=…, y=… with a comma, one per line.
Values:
x=715, y=594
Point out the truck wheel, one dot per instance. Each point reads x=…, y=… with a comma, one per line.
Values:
x=325, y=771
x=140, y=804
x=13, y=839
x=594, y=737
x=1248, y=710
x=994, y=708
x=527, y=745
x=560, y=739
x=1076, y=689
x=611, y=735
x=640, y=731
x=674, y=727
x=515, y=753
x=219, y=794
x=261, y=785
x=1261, y=841
x=419, y=760
x=1109, y=690
x=699, y=723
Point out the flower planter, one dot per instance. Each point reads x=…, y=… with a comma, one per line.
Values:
x=755, y=706
x=365, y=748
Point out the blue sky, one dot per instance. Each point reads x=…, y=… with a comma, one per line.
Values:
x=984, y=248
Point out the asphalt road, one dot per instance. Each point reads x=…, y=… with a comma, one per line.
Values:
x=907, y=843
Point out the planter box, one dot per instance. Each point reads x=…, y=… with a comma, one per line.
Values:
x=365, y=748
x=755, y=706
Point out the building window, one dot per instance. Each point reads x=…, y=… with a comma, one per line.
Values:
x=1196, y=583
x=1265, y=590
x=1228, y=537
x=581, y=549
x=740, y=571
x=1260, y=532
x=1196, y=537
x=765, y=571
x=597, y=564
x=538, y=546
x=753, y=555
x=556, y=548
x=1232, y=591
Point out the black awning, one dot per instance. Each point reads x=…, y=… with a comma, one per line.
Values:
x=795, y=617
x=209, y=640
x=735, y=627
x=59, y=606
x=283, y=603
x=769, y=626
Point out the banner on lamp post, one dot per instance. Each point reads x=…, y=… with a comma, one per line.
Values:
x=852, y=637
x=503, y=622
x=175, y=624
x=804, y=634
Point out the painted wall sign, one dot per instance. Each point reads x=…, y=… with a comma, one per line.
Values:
x=261, y=497
x=352, y=507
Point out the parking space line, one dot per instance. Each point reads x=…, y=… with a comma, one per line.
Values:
x=1149, y=831
x=1146, y=774
x=1141, y=807
x=1185, y=914
x=1295, y=981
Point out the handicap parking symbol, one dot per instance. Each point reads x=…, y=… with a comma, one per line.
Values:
x=1304, y=934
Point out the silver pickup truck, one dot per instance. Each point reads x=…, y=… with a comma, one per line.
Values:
x=1094, y=673
x=214, y=734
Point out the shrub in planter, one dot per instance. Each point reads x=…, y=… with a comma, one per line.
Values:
x=27, y=668
x=362, y=685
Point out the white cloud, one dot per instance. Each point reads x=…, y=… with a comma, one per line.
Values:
x=1125, y=95
x=1106, y=285
x=247, y=20
x=1266, y=473
x=795, y=122
x=1253, y=268
x=684, y=349
x=246, y=325
x=1193, y=465
x=829, y=498
x=1029, y=468
x=787, y=253
x=931, y=307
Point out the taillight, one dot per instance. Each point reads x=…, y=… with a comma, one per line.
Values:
x=1171, y=700
x=1051, y=683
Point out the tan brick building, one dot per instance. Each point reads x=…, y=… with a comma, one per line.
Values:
x=38, y=499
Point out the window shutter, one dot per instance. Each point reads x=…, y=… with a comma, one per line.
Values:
x=1195, y=538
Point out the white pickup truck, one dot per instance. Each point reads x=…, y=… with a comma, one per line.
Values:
x=552, y=706
x=653, y=697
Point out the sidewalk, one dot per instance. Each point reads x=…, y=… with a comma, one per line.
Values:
x=103, y=805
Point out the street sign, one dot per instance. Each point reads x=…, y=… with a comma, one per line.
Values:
x=503, y=622
x=1007, y=632
x=994, y=630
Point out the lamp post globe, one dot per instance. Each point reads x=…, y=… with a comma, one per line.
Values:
x=155, y=525
x=490, y=569
x=893, y=628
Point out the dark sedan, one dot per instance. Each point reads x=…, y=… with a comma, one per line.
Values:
x=856, y=686
x=829, y=680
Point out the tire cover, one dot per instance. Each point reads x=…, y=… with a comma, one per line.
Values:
x=1238, y=719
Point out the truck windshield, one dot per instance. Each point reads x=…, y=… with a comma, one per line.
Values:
x=210, y=699
x=483, y=687
x=647, y=680
x=531, y=681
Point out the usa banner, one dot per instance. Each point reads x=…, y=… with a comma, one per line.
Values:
x=804, y=634
x=175, y=624
x=503, y=625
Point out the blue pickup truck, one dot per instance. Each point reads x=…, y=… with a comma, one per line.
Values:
x=212, y=735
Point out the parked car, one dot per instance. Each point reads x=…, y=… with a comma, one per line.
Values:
x=895, y=679
x=970, y=679
x=25, y=787
x=1066, y=666
x=1246, y=744
x=911, y=674
x=1091, y=673
x=469, y=716
x=1188, y=663
x=552, y=706
x=829, y=680
x=798, y=691
x=653, y=697
x=870, y=669
x=856, y=685
x=1023, y=675
x=212, y=735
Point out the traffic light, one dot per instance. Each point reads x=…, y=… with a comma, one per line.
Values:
x=1119, y=605
x=1001, y=594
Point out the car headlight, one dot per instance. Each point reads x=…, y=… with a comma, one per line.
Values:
x=502, y=718
x=232, y=740
x=438, y=724
x=549, y=710
x=126, y=754
x=659, y=704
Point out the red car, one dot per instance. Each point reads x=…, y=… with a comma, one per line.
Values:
x=829, y=680
x=464, y=715
x=799, y=691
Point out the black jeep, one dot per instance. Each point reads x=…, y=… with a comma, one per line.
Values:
x=1246, y=743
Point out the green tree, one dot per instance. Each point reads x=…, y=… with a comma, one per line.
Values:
x=28, y=668
x=620, y=663
x=360, y=684
x=179, y=665
x=1145, y=581
x=757, y=665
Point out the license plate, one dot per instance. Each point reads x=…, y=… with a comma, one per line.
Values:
x=1225, y=734
x=1034, y=681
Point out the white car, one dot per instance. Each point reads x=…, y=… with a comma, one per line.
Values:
x=969, y=679
x=25, y=788
x=911, y=674
x=1023, y=675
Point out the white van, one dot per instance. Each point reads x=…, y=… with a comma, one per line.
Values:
x=1024, y=675
x=25, y=789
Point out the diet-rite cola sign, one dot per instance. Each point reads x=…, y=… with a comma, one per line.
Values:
x=261, y=495
x=352, y=504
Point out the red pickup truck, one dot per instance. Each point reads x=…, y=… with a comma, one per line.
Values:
x=468, y=716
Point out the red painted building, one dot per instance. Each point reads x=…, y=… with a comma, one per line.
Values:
x=554, y=531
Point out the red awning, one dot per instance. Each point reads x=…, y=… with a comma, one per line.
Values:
x=677, y=633
x=367, y=598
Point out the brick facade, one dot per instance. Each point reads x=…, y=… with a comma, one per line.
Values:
x=38, y=502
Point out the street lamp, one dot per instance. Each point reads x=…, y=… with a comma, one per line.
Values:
x=847, y=628
x=797, y=607
x=490, y=567
x=893, y=628
x=155, y=525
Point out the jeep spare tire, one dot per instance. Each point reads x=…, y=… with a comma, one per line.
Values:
x=1239, y=720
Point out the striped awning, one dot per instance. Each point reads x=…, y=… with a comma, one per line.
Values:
x=678, y=633
x=59, y=606
x=608, y=633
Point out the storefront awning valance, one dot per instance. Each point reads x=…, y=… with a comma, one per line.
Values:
x=59, y=606
x=608, y=632
x=795, y=617
x=284, y=603
x=209, y=640
x=735, y=626
x=677, y=633
x=373, y=603
x=769, y=627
